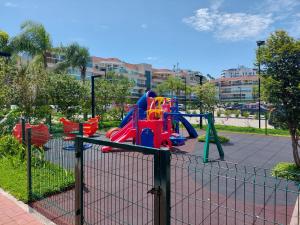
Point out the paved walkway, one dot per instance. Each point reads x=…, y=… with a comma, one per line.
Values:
x=13, y=214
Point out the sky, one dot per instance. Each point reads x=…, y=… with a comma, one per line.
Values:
x=204, y=35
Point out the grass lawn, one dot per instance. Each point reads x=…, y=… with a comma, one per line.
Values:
x=248, y=130
x=47, y=179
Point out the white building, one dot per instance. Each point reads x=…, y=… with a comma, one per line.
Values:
x=241, y=71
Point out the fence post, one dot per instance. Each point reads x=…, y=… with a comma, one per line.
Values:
x=79, y=177
x=162, y=202
x=23, y=125
x=29, y=175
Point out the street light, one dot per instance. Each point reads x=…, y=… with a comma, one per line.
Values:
x=259, y=43
x=93, y=91
x=240, y=94
x=200, y=82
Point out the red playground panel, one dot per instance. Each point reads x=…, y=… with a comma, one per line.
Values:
x=39, y=133
x=89, y=128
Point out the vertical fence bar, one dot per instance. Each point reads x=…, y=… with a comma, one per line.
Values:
x=161, y=190
x=29, y=175
x=79, y=181
x=165, y=196
x=23, y=125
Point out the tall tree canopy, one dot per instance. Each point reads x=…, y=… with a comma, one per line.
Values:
x=280, y=58
x=207, y=96
x=33, y=39
x=76, y=56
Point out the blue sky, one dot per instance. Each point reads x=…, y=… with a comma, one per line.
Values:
x=204, y=35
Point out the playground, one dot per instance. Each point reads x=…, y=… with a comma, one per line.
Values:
x=209, y=183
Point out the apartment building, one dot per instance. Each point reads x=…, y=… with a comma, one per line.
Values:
x=144, y=75
x=239, y=72
x=236, y=89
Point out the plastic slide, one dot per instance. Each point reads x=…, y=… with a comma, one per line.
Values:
x=122, y=131
x=142, y=104
x=190, y=129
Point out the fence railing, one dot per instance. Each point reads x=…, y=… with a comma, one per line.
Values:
x=141, y=185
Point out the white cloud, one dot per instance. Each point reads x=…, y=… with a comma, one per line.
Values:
x=216, y=4
x=144, y=26
x=229, y=26
x=275, y=6
x=10, y=4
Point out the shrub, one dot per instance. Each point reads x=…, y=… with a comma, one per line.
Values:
x=222, y=139
x=286, y=170
x=11, y=147
x=237, y=113
x=219, y=113
x=7, y=124
x=227, y=113
x=245, y=114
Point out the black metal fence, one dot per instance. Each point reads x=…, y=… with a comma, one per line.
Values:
x=140, y=185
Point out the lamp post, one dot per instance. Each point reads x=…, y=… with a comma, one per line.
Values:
x=200, y=82
x=259, y=43
x=93, y=91
x=185, y=94
x=240, y=94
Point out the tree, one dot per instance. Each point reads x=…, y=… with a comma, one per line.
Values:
x=33, y=39
x=280, y=58
x=113, y=90
x=4, y=41
x=66, y=93
x=207, y=96
x=76, y=56
x=8, y=70
x=29, y=87
x=173, y=85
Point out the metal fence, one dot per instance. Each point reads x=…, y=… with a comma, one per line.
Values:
x=140, y=185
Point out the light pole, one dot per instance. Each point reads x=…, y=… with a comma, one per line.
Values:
x=240, y=94
x=259, y=43
x=200, y=82
x=93, y=91
x=185, y=94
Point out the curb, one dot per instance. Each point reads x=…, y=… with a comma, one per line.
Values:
x=27, y=208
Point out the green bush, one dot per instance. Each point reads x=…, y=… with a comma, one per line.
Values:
x=286, y=170
x=237, y=113
x=7, y=125
x=245, y=114
x=219, y=113
x=11, y=147
x=222, y=139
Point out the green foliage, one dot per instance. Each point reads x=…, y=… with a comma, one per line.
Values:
x=49, y=178
x=8, y=71
x=237, y=113
x=245, y=114
x=219, y=113
x=10, y=120
x=66, y=93
x=33, y=39
x=4, y=38
x=222, y=139
x=109, y=124
x=227, y=113
x=76, y=56
x=112, y=92
x=206, y=95
x=287, y=170
x=173, y=85
x=281, y=80
x=11, y=147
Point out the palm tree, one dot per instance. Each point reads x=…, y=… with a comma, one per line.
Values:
x=76, y=56
x=33, y=39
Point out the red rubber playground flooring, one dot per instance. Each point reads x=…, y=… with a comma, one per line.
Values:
x=116, y=186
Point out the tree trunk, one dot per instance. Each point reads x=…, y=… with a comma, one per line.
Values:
x=293, y=133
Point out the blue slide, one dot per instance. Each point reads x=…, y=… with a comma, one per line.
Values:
x=190, y=129
x=142, y=104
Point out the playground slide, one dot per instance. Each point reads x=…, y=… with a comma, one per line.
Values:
x=190, y=129
x=141, y=103
x=122, y=131
x=130, y=133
